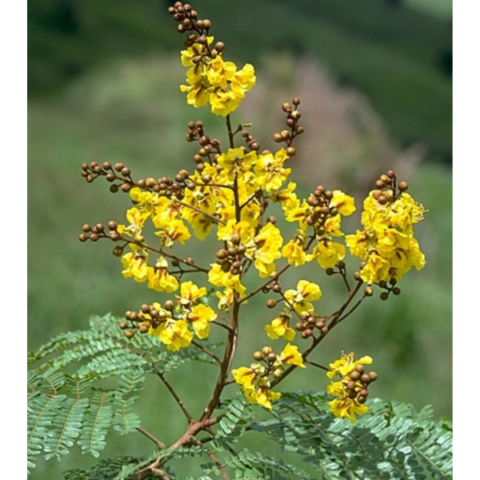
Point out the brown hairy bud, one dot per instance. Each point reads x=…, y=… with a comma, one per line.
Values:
x=355, y=375
x=291, y=151
x=271, y=303
x=271, y=357
x=359, y=368
x=258, y=356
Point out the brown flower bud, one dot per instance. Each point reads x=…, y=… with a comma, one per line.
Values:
x=359, y=368
x=169, y=305
x=291, y=151
x=355, y=375
x=271, y=303
x=266, y=350
x=365, y=378
x=271, y=357
x=277, y=287
x=258, y=356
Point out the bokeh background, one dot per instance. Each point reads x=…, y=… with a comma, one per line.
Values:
x=375, y=81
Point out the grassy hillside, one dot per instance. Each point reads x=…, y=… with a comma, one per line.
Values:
x=399, y=57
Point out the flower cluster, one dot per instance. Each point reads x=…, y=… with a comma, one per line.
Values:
x=351, y=390
x=387, y=243
x=210, y=80
x=255, y=380
x=173, y=323
x=226, y=197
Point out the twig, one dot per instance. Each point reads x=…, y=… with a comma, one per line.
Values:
x=216, y=219
x=208, y=352
x=266, y=284
x=176, y=397
x=316, y=365
x=352, y=309
x=155, y=440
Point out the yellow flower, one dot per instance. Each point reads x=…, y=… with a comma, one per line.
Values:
x=358, y=244
x=347, y=407
x=135, y=265
x=291, y=356
x=218, y=277
x=226, y=299
x=332, y=226
x=243, y=229
x=199, y=317
x=220, y=73
x=262, y=396
x=271, y=174
x=176, y=231
x=280, y=328
x=344, y=203
x=165, y=212
x=265, y=249
x=327, y=253
x=345, y=364
x=303, y=295
x=245, y=376
x=287, y=197
x=235, y=161
x=376, y=269
x=294, y=251
x=243, y=80
x=175, y=335
x=190, y=293
x=159, y=279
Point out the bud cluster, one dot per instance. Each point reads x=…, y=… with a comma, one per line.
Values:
x=118, y=175
x=271, y=360
x=97, y=231
x=309, y=323
x=357, y=381
x=230, y=258
x=287, y=136
x=386, y=188
x=149, y=316
x=209, y=149
x=320, y=210
x=188, y=21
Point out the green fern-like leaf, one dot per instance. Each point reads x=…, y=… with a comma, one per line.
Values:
x=391, y=442
x=66, y=403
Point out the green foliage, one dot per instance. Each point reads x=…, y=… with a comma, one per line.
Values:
x=83, y=385
x=391, y=442
x=109, y=371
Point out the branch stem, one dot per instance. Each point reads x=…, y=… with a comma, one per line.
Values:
x=176, y=397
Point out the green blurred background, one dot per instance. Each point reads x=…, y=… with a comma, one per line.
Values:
x=375, y=80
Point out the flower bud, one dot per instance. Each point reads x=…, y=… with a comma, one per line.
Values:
x=258, y=356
